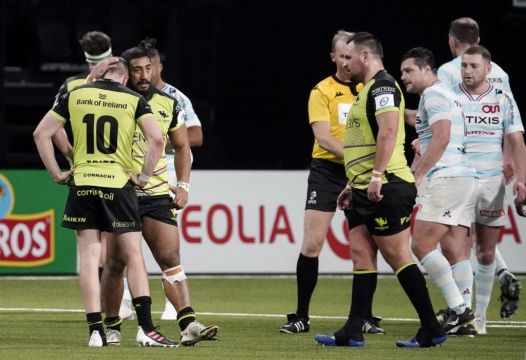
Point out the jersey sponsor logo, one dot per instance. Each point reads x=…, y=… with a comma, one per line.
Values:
x=102, y=176
x=102, y=96
x=25, y=240
x=122, y=224
x=353, y=122
x=492, y=213
x=383, y=101
x=491, y=108
x=495, y=80
x=74, y=219
x=338, y=93
x=480, y=133
x=483, y=120
x=383, y=90
x=109, y=104
x=96, y=192
x=163, y=113
x=89, y=161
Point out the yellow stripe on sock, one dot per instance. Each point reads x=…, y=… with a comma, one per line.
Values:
x=360, y=272
x=403, y=267
x=185, y=316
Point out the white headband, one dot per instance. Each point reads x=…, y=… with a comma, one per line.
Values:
x=96, y=58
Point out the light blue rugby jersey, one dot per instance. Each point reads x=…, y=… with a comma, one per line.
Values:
x=449, y=74
x=488, y=117
x=437, y=103
x=190, y=117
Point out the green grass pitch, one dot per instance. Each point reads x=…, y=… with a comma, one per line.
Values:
x=42, y=319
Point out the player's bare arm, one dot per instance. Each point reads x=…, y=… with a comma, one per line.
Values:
x=42, y=135
x=441, y=131
x=518, y=148
x=321, y=130
x=385, y=143
x=182, y=162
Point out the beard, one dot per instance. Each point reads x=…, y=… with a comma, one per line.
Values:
x=356, y=78
x=140, y=86
x=473, y=83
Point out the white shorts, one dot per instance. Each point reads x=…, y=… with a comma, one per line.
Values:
x=448, y=201
x=491, y=207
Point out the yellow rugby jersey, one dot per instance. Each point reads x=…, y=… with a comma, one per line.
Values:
x=103, y=117
x=381, y=94
x=170, y=117
x=330, y=101
x=70, y=83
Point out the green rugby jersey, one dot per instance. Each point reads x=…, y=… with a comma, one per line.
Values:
x=168, y=113
x=103, y=117
x=381, y=94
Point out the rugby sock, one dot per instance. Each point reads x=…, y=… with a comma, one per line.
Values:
x=185, y=317
x=95, y=322
x=484, y=284
x=113, y=323
x=143, y=309
x=439, y=270
x=415, y=287
x=463, y=275
x=363, y=288
x=306, y=278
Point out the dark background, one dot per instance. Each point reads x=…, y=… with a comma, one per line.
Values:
x=247, y=66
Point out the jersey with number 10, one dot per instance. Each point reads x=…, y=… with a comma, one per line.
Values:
x=103, y=117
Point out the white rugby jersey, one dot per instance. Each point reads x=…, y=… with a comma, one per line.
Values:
x=437, y=103
x=449, y=74
x=489, y=117
x=190, y=117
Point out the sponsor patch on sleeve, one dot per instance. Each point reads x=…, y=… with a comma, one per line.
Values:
x=384, y=101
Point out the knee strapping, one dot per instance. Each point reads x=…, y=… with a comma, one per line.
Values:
x=174, y=274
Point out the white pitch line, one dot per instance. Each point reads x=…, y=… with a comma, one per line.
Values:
x=495, y=324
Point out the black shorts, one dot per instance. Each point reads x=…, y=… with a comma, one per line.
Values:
x=106, y=209
x=158, y=208
x=326, y=180
x=391, y=215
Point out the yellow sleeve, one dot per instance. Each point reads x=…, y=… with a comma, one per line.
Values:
x=57, y=115
x=318, y=106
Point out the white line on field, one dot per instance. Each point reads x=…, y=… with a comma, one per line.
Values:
x=496, y=324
